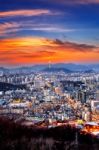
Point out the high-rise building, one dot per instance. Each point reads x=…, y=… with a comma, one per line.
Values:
x=82, y=96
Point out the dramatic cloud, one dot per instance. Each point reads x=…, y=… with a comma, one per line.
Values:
x=11, y=27
x=75, y=46
x=34, y=12
x=66, y=25
x=31, y=50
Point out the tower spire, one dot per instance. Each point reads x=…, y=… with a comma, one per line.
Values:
x=49, y=64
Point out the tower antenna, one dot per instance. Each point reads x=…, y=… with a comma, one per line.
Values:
x=49, y=64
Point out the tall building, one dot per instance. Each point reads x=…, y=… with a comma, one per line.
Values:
x=82, y=96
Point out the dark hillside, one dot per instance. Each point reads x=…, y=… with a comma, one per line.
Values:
x=16, y=137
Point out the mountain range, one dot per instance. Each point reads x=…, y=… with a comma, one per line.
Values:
x=68, y=68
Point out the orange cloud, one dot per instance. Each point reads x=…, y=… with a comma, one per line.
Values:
x=34, y=12
x=30, y=50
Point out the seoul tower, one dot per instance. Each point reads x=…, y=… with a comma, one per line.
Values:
x=49, y=64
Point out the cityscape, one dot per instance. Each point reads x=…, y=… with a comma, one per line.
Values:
x=49, y=99
x=49, y=75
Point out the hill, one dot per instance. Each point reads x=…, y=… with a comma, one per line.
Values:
x=53, y=69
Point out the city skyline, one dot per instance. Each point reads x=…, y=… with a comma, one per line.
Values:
x=39, y=31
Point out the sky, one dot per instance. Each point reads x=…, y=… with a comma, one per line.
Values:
x=39, y=31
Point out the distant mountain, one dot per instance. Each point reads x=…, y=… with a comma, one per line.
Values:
x=57, y=70
x=68, y=67
x=2, y=69
x=95, y=67
x=78, y=67
x=28, y=69
x=89, y=71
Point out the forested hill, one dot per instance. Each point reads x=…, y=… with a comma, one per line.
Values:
x=7, y=86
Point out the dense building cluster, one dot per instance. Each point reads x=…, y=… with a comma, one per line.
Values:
x=50, y=97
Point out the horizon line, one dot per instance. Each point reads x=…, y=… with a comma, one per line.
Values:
x=31, y=65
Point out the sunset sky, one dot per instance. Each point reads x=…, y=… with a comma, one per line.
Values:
x=39, y=31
